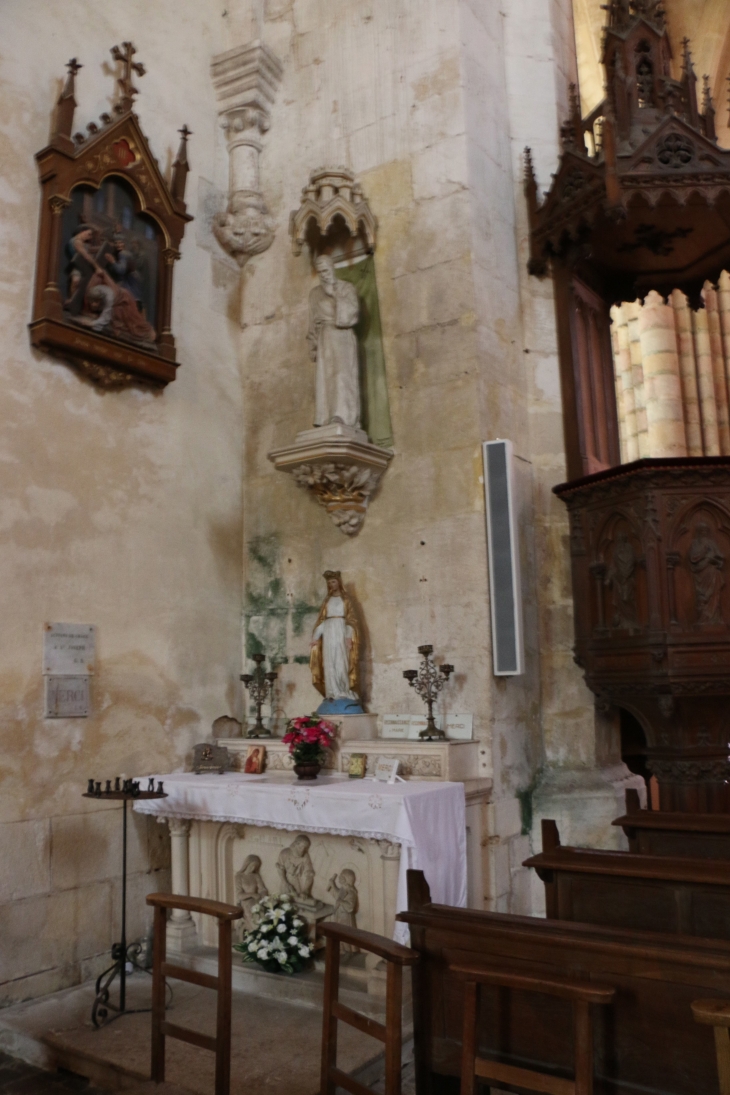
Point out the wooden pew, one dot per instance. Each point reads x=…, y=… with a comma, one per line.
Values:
x=645, y=1043
x=623, y=890
x=663, y=832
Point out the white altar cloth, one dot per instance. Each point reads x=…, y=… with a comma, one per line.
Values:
x=427, y=819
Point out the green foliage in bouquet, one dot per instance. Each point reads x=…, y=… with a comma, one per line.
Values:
x=279, y=942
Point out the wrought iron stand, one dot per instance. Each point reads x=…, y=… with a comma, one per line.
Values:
x=102, y=1005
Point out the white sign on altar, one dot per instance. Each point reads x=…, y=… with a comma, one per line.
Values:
x=409, y=727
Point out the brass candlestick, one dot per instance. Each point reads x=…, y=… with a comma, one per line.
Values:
x=260, y=687
x=428, y=680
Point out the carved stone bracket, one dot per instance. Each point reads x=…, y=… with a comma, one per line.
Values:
x=333, y=192
x=246, y=80
x=340, y=468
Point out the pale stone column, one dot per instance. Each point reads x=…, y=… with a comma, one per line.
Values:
x=723, y=304
x=688, y=371
x=665, y=418
x=618, y=384
x=632, y=311
x=706, y=384
x=718, y=367
x=624, y=386
x=181, y=933
x=390, y=857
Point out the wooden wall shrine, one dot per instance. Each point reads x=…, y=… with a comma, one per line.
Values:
x=110, y=233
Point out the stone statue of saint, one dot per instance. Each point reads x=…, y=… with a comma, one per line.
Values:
x=334, y=656
x=706, y=562
x=333, y=312
x=296, y=871
x=250, y=888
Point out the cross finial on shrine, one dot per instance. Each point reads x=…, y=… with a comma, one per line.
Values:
x=73, y=66
x=125, y=55
x=185, y=133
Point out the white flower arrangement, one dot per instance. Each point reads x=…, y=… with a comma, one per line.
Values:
x=279, y=941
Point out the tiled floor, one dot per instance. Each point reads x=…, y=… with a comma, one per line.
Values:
x=18, y=1078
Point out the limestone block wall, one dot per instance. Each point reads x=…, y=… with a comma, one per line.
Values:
x=383, y=89
x=577, y=775
x=121, y=509
x=431, y=105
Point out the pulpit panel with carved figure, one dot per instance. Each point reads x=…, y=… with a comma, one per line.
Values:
x=650, y=543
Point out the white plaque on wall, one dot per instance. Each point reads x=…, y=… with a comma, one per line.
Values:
x=396, y=726
x=69, y=649
x=406, y=726
x=67, y=697
x=459, y=727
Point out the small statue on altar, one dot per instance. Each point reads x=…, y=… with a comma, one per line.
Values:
x=250, y=888
x=344, y=892
x=334, y=311
x=335, y=651
x=297, y=873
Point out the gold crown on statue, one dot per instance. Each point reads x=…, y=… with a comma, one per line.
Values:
x=332, y=574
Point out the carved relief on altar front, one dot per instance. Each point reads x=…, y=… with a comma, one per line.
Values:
x=620, y=577
x=331, y=877
x=701, y=544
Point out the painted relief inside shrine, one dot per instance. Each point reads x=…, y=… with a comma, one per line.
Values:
x=109, y=264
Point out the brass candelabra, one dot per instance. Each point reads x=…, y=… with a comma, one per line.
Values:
x=427, y=681
x=260, y=687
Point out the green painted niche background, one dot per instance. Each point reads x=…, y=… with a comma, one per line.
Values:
x=373, y=382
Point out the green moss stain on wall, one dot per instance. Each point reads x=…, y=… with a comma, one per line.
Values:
x=268, y=607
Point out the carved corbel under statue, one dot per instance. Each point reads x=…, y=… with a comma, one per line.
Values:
x=245, y=79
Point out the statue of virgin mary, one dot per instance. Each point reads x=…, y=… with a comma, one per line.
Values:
x=335, y=651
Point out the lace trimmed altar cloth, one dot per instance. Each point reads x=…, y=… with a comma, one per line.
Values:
x=428, y=820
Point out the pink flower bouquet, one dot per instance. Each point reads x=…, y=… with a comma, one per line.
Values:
x=308, y=737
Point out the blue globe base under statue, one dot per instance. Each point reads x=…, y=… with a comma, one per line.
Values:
x=339, y=707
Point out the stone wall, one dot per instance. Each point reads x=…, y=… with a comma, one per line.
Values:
x=431, y=106
x=121, y=509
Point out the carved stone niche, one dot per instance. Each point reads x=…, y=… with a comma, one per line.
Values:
x=336, y=463
x=650, y=554
x=110, y=233
x=246, y=79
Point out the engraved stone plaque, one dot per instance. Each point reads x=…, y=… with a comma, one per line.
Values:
x=69, y=649
x=67, y=697
x=396, y=726
x=459, y=727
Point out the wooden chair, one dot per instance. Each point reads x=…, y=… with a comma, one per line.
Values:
x=396, y=957
x=716, y=1013
x=582, y=994
x=161, y=969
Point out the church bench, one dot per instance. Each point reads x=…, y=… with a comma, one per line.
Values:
x=716, y=1013
x=622, y=889
x=645, y=1042
x=665, y=832
x=389, y=1033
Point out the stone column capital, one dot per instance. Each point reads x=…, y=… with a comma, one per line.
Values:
x=179, y=826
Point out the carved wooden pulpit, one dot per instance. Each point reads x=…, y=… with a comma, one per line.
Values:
x=640, y=202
